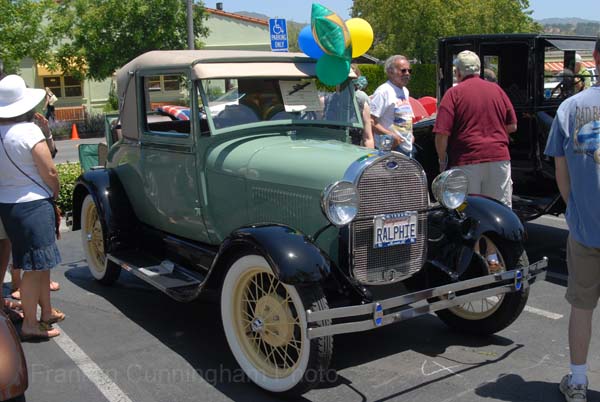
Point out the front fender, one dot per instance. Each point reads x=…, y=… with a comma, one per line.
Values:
x=13, y=369
x=294, y=258
x=114, y=209
x=493, y=216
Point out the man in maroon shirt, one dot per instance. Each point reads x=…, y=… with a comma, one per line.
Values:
x=472, y=126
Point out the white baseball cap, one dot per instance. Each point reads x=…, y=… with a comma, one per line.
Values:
x=467, y=61
x=15, y=98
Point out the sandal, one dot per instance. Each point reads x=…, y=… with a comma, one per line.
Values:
x=57, y=316
x=45, y=332
x=15, y=294
x=13, y=310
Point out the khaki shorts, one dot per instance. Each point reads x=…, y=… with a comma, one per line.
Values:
x=2, y=231
x=491, y=179
x=583, y=262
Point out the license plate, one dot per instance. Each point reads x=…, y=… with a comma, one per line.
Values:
x=394, y=229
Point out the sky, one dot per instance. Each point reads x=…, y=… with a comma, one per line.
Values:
x=587, y=9
x=299, y=10
x=296, y=10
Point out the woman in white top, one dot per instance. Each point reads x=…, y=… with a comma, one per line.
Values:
x=28, y=186
x=49, y=104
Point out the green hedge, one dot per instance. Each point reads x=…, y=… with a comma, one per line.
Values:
x=422, y=82
x=67, y=174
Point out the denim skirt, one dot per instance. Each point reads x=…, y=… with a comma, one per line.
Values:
x=30, y=228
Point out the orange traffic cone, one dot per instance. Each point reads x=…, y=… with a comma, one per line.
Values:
x=74, y=134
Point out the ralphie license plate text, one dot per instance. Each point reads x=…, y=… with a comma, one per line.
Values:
x=393, y=229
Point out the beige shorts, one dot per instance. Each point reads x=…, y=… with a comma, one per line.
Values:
x=583, y=262
x=491, y=179
x=2, y=231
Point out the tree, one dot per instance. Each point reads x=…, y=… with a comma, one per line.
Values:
x=587, y=28
x=23, y=31
x=95, y=37
x=412, y=28
x=293, y=31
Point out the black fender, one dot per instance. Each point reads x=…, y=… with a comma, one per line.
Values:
x=116, y=215
x=292, y=255
x=492, y=216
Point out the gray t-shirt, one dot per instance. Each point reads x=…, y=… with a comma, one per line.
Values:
x=575, y=134
x=361, y=98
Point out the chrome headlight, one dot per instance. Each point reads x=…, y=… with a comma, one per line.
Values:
x=340, y=202
x=450, y=188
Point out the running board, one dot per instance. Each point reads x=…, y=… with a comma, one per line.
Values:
x=172, y=279
x=373, y=315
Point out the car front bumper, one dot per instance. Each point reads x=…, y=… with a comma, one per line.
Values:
x=373, y=315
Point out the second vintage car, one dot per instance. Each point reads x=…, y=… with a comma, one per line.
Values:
x=262, y=198
x=537, y=72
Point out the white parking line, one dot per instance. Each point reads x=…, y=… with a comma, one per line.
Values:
x=543, y=313
x=109, y=389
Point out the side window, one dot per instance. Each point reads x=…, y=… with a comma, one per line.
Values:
x=167, y=104
x=566, y=73
x=507, y=64
x=490, y=68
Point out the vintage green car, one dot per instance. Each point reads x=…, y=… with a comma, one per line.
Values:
x=234, y=172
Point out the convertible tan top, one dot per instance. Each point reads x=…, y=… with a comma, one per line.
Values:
x=223, y=63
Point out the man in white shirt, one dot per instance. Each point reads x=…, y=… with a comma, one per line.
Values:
x=390, y=106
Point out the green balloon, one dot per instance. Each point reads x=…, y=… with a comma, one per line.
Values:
x=332, y=70
x=329, y=31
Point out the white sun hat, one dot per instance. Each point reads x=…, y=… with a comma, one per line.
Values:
x=15, y=98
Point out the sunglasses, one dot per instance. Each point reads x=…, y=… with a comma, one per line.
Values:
x=406, y=70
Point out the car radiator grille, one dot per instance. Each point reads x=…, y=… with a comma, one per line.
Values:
x=383, y=191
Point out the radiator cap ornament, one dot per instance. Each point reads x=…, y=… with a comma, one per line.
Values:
x=386, y=143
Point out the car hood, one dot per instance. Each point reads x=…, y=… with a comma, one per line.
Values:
x=302, y=161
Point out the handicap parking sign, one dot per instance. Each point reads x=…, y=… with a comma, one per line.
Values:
x=278, y=34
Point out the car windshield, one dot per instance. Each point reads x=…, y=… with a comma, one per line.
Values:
x=240, y=101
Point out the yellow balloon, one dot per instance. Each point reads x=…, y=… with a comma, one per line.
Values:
x=361, y=35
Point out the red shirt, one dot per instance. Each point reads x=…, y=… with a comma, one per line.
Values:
x=475, y=113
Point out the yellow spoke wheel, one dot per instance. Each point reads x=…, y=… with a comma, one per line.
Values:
x=267, y=323
x=92, y=232
x=92, y=239
x=265, y=326
x=491, y=314
x=479, y=309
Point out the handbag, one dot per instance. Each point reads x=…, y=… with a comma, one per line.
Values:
x=57, y=211
x=53, y=99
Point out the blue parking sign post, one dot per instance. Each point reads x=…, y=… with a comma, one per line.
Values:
x=278, y=34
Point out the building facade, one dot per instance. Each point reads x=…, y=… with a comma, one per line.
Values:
x=226, y=31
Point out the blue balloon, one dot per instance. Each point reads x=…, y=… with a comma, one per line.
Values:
x=308, y=44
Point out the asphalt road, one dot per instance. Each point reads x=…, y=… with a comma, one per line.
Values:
x=67, y=149
x=130, y=342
